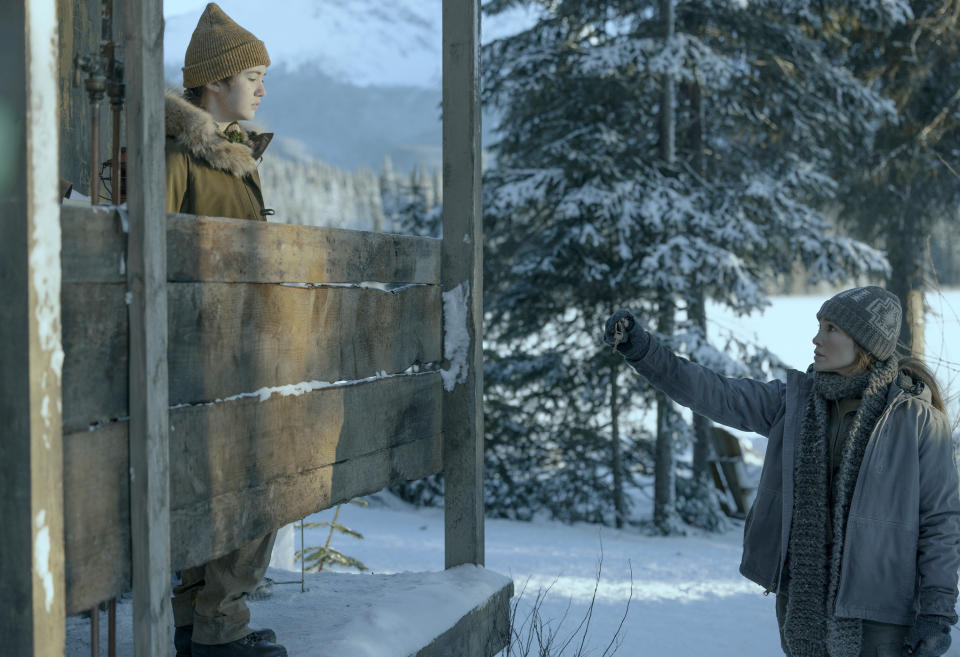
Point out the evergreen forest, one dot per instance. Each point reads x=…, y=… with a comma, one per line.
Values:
x=659, y=154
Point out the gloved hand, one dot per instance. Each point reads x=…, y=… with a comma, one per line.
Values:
x=624, y=333
x=929, y=637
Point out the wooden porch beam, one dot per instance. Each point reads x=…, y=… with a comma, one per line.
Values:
x=462, y=285
x=146, y=280
x=31, y=356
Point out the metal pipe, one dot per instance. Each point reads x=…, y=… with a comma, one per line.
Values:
x=116, y=165
x=112, y=628
x=95, y=631
x=303, y=558
x=94, y=151
x=110, y=54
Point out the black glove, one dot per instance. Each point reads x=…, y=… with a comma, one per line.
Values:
x=929, y=637
x=624, y=333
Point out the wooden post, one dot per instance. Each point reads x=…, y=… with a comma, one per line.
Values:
x=462, y=285
x=31, y=355
x=147, y=281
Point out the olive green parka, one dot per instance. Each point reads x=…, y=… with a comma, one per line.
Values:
x=207, y=175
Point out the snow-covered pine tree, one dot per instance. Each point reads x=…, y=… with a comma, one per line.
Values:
x=584, y=215
x=390, y=198
x=909, y=51
x=418, y=211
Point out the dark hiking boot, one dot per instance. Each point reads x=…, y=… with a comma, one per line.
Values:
x=183, y=635
x=181, y=640
x=249, y=646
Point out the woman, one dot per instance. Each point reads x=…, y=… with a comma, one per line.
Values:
x=856, y=522
x=211, y=170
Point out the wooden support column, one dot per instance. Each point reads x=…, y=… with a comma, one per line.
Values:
x=147, y=281
x=462, y=285
x=31, y=355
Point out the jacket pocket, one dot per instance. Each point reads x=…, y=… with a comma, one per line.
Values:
x=879, y=571
x=761, y=538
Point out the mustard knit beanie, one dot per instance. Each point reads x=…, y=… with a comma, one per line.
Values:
x=219, y=48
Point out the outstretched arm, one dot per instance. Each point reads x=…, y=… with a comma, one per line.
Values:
x=744, y=404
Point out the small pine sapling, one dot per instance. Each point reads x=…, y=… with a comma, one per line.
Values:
x=315, y=558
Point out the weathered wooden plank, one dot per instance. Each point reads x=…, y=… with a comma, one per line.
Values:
x=462, y=285
x=216, y=526
x=227, y=339
x=233, y=250
x=242, y=468
x=31, y=459
x=227, y=446
x=96, y=359
x=94, y=244
x=97, y=515
x=483, y=632
x=147, y=282
x=239, y=251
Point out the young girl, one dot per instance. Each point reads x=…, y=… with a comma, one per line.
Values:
x=856, y=522
x=211, y=170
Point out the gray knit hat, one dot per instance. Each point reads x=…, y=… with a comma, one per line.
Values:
x=219, y=48
x=870, y=315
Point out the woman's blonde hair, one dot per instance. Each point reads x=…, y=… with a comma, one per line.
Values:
x=915, y=368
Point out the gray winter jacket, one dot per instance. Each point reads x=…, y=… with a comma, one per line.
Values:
x=902, y=547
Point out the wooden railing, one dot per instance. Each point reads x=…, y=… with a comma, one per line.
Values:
x=294, y=384
x=143, y=484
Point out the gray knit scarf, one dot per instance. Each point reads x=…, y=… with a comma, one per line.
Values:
x=809, y=626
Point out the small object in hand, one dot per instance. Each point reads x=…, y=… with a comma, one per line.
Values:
x=619, y=332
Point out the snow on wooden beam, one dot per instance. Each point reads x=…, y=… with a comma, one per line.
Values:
x=461, y=611
x=230, y=480
x=31, y=460
x=462, y=285
x=244, y=467
x=226, y=339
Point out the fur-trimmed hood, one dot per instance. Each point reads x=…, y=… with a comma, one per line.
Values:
x=195, y=130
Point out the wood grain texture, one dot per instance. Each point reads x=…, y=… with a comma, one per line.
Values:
x=147, y=283
x=239, y=251
x=94, y=244
x=240, y=469
x=96, y=357
x=229, y=446
x=221, y=524
x=31, y=458
x=233, y=250
x=227, y=339
x=96, y=515
x=482, y=632
x=463, y=280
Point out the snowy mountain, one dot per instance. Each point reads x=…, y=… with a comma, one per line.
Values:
x=354, y=80
x=365, y=42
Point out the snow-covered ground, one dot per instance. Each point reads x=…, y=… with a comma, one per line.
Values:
x=685, y=594
x=687, y=597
